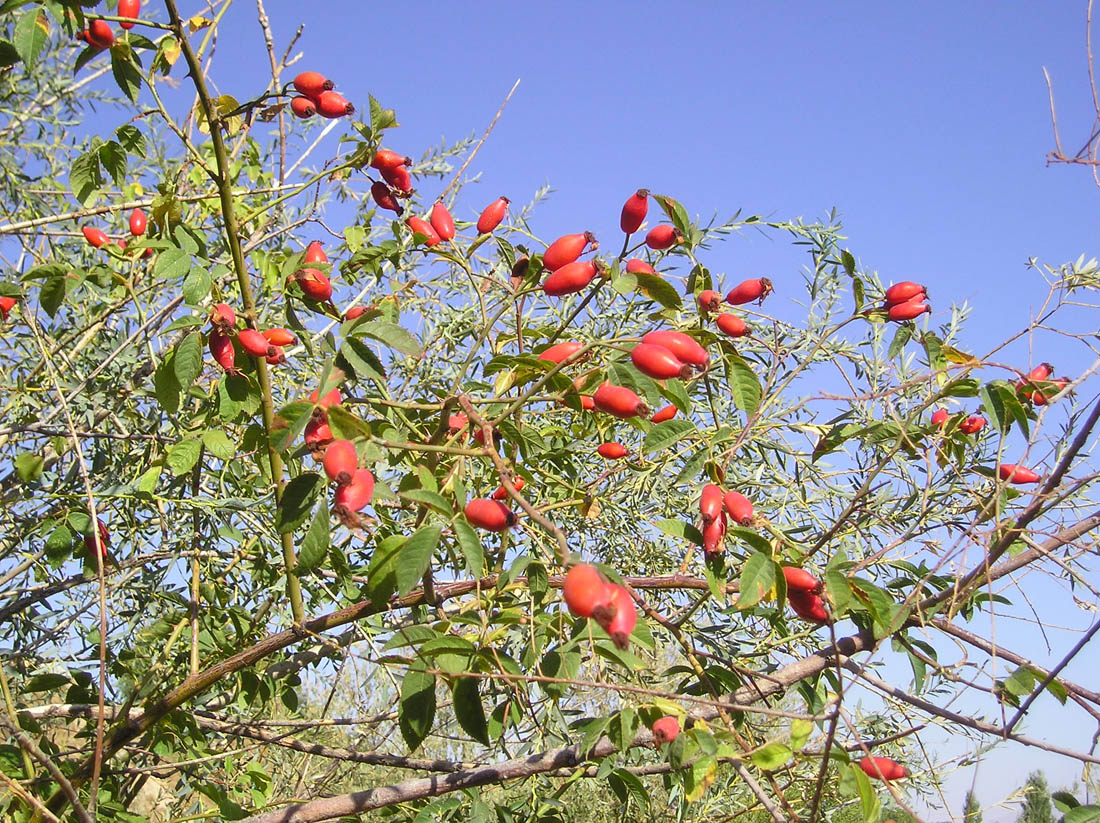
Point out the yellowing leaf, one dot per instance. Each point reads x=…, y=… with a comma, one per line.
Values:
x=198, y=23
x=956, y=356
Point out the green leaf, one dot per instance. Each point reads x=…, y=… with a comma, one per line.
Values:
x=431, y=499
x=86, y=175
x=363, y=361
x=744, y=385
x=172, y=264
x=800, y=733
x=30, y=36
x=182, y=456
x=196, y=286
x=218, y=444
x=1064, y=801
x=1083, y=814
x=298, y=498
x=52, y=294
x=166, y=386
x=416, y=711
x=469, y=712
x=659, y=289
x=623, y=728
x=382, y=575
x=188, y=360
x=315, y=544
x=380, y=118
x=126, y=74
x=1021, y=682
x=131, y=139
x=416, y=555
x=392, y=335
x=901, y=337
x=757, y=580
x=868, y=798
x=676, y=214
x=113, y=158
x=681, y=529
x=29, y=467
x=771, y=756
x=625, y=784
x=665, y=434
x=472, y=549
x=46, y=682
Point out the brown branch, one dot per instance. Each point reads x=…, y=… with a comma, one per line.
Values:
x=963, y=720
x=328, y=808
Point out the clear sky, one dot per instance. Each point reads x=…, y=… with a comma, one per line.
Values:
x=925, y=124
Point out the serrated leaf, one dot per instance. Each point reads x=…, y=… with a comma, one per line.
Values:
x=469, y=712
x=298, y=498
x=166, y=386
x=315, y=544
x=757, y=580
x=182, y=456
x=800, y=733
x=30, y=36
x=188, y=360
x=416, y=555
x=392, y=335
x=46, y=682
x=681, y=529
x=172, y=264
x=131, y=139
x=665, y=434
x=470, y=544
x=431, y=499
x=218, y=444
x=382, y=574
x=380, y=118
x=29, y=466
x=52, y=294
x=363, y=361
x=771, y=756
x=126, y=74
x=1083, y=814
x=659, y=289
x=86, y=175
x=744, y=385
x=113, y=158
x=416, y=711
x=196, y=286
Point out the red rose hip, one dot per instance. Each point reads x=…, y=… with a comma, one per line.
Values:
x=493, y=215
x=749, y=290
x=634, y=211
x=488, y=514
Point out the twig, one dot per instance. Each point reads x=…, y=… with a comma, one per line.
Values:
x=484, y=137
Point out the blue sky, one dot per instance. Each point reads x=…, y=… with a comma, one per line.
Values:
x=925, y=124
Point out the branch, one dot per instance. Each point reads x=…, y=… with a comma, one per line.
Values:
x=354, y=803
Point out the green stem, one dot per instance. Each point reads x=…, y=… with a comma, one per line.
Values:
x=225, y=193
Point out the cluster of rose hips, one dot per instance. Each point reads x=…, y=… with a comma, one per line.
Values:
x=267, y=344
x=804, y=595
x=588, y=593
x=714, y=505
x=340, y=459
x=906, y=301
x=97, y=238
x=1039, y=387
x=317, y=97
x=971, y=425
x=755, y=289
x=314, y=283
x=99, y=34
x=1026, y=388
